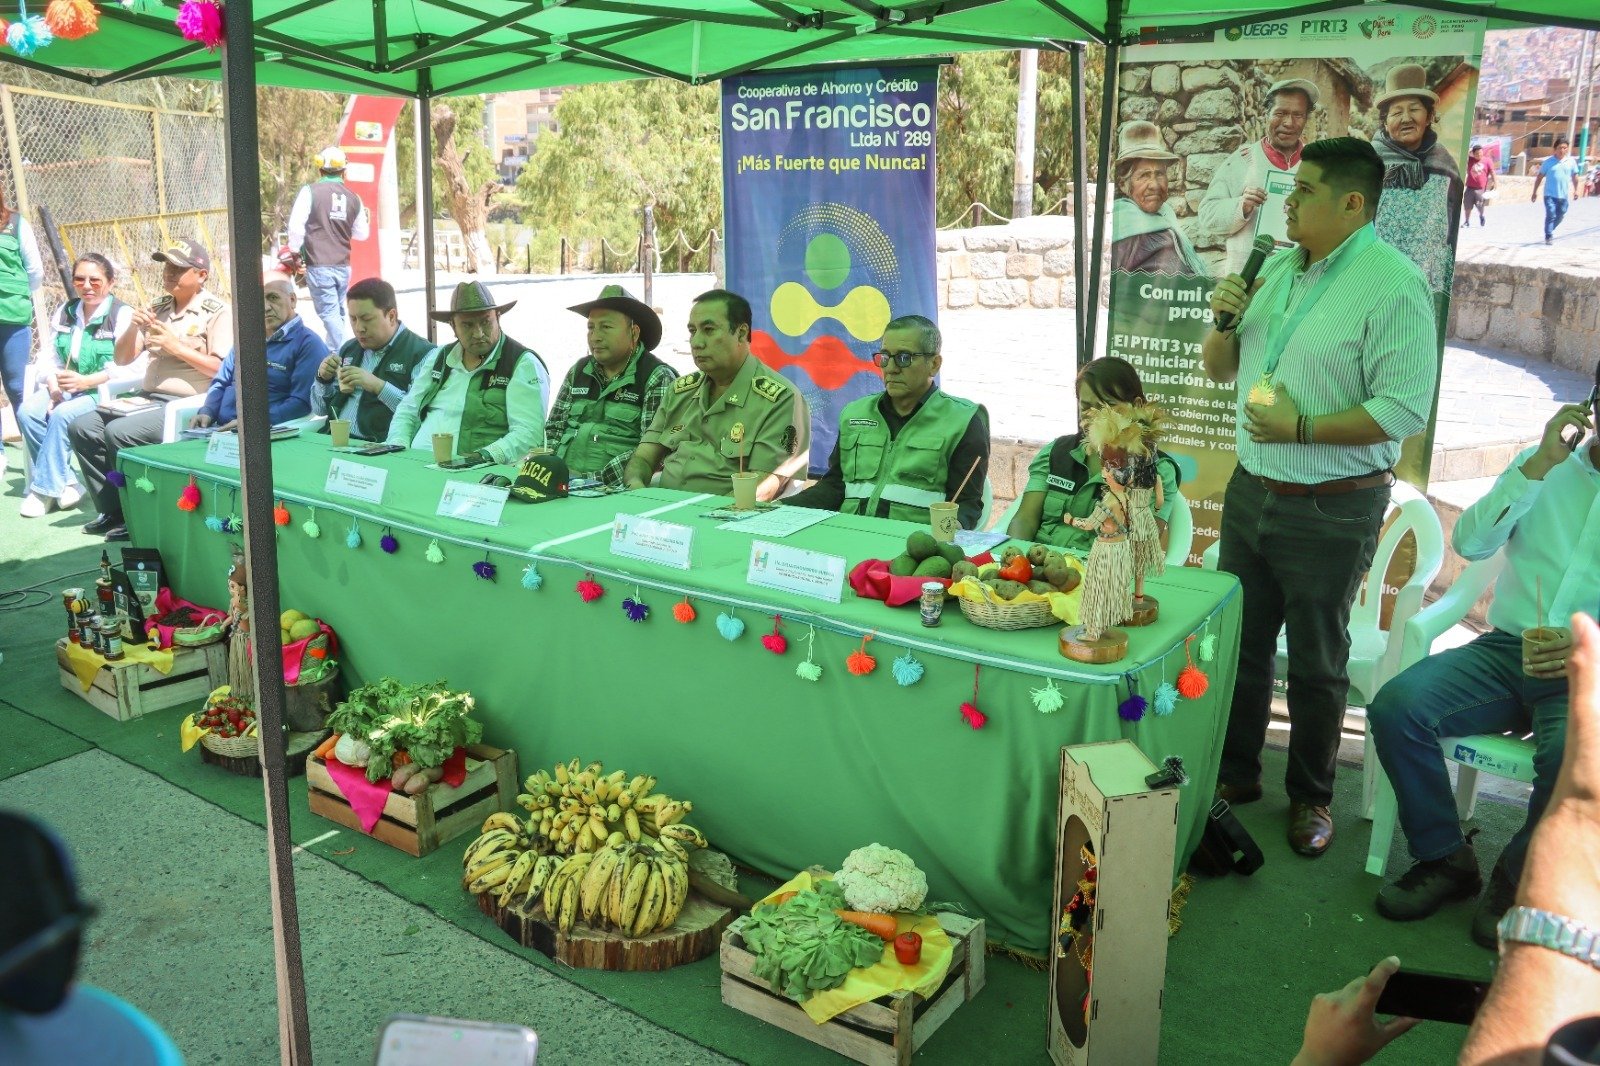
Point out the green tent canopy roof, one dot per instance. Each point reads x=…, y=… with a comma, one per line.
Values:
x=458, y=46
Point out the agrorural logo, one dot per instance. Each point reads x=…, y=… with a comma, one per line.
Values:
x=1425, y=27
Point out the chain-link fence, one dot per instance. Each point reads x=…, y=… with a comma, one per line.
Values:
x=117, y=178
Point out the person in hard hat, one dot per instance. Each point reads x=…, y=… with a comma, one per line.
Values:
x=326, y=217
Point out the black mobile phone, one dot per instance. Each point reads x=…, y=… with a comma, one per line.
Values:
x=1576, y=437
x=1435, y=997
x=381, y=449
x=413, y=1040
x=464, y=463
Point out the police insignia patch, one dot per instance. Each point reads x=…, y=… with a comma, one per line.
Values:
x=687, y=382
x=767, y=388
x=791, y=437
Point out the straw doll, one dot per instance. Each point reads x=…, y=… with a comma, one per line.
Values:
x=1146, y=496
x=241, y=680
x=1108, y=575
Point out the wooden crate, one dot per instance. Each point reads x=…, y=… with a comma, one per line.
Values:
x=885, y=1032
x=127, y=690
x=418, y=825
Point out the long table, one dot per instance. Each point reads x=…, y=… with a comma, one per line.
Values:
x=783, y=772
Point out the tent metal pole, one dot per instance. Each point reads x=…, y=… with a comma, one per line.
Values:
x=1102, y=182
x=425, y=193
x=260, y=542
x=1080, y=201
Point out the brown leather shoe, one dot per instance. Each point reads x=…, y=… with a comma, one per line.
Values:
x=1310, y=828
x=1238, y=794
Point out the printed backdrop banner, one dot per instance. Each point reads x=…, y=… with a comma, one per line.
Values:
x=828, y=203
x=1206, y=154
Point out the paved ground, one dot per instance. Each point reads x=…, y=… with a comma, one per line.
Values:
x=1516, y=221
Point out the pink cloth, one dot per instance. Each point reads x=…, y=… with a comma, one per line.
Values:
x=293, y=653
x=367, y=798
x=166, y=602
x=871, y=580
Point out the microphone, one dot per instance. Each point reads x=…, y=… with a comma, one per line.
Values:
x=1252, y=266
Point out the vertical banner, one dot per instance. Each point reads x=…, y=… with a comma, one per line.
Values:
x=1206, y=152
x=366, y=134
x=828, y=205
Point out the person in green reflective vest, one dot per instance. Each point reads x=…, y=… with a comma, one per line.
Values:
x=608, y=399
x=21, y=274
x=910, y=446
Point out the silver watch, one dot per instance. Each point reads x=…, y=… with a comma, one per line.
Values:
x=1529, y=925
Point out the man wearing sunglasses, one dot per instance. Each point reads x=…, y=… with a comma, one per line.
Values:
x=911, y=445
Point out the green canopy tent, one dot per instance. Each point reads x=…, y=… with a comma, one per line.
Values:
x=424, y=48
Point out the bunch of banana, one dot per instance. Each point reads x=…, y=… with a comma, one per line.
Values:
x=561, y=891
x=637, y=886
x=494, y=857
x=580, y=811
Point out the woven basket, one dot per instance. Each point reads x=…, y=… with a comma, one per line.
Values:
x=231, y=747
x=1007, y=615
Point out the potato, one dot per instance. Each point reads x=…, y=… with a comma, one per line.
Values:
x=1038, y=554
x=419, y=781
x=1008, y=553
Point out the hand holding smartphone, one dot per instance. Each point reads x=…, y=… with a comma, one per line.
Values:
x=414, y=1040
x=1433, y=997
x=1576, y=437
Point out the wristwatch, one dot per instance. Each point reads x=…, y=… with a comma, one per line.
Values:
x=1529, y=925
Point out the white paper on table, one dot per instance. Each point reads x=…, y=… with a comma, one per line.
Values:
x=1270, y=218
x=222, y=449
x=358, y=481
x=471, y=501
x=651, y=540
x=805, y=573
x=778, y=522
x=970, y=539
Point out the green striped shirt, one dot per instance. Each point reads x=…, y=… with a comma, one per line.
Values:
x=1369, y=340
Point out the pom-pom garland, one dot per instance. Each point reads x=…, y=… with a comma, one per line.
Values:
x=352, y=539
x=907, y=670
x=1048, y=700
x=388, y=543
x=859, y=662
x=233, y=524
x=144, y=484
x=634, y=609
x=216, y=524
x=683, y=611
x=189, y=498
x=808, y=671
x=1208, y=648
x=532, y=580
x=200, y=20
x=484, y=569
x=310, y=528
x=1166, y=699
x=280, y=514
x=71, y=19
x=1192, y=681
x=975, y=718
x=434, y=554
x=729, y=626
x=116, y=479
x=1132, y=709
x=28, y=34
x=776, y=642
x=589, y=589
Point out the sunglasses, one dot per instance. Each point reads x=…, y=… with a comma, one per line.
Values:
x=80, y=279
x=899, y=359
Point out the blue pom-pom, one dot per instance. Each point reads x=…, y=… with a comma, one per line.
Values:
x=27, y=35
x=1132, y=708
x=729, y=626
x=907, y=670
x=531, y=578
x=216, y=524
x=1166, y=699
x=352, y=539
x=389, y=544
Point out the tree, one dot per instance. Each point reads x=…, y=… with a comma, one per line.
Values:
x=292, y=125
x=977, y=133
x=619, y=145
x=1053, y=154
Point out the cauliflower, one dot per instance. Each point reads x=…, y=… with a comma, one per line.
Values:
x=881, y=880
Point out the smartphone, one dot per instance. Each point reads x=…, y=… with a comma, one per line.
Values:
x=464, y=464
x=381, y=449
x=414, y=1040
x=1435, y=997
x=1576, y=438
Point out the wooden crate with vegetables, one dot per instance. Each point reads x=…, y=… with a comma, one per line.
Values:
x=816, y=959
x=130, y=689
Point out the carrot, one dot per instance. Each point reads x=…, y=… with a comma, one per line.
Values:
x=781, y=898
x=399, y=759
x=882, y=925
x=325, y=749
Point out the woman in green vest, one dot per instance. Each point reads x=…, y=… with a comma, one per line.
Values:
x=1064, y=479
x=20, y=276
x=78, y=357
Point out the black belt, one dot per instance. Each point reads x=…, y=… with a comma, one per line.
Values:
x=1324, y=488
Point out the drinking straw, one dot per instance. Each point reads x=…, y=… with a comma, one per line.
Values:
x=970, y=471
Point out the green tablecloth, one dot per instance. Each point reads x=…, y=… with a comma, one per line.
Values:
x=783, y=772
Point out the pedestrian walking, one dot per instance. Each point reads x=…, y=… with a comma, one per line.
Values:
x=1559, y=176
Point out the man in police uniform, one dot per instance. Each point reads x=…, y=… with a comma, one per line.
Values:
x=911, y=445
x=725, y=414
x=366, y=379
x=325, y=218
x=609, y=399
x=484, y=387
x=185, y=335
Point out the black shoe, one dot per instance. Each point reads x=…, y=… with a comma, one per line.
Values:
x=1429, y=885
x=1238, y=795
x=100, y=523
x=1502, y=892
x=117, y=532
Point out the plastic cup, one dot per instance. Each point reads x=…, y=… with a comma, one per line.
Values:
x=744, y=490
x=942, y=519
x=444, y=447
x=339, y=430
x=1534, y=639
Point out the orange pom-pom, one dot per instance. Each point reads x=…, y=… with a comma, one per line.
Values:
x=683, y=612
x=71, y=19
x=859, y=662
x=1192, y=682
x=280, y=514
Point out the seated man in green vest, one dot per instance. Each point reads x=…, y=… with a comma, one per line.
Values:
x=725, y=416
x=911, y=445
x=364, y=381
x=609, y=399
x=483, y=387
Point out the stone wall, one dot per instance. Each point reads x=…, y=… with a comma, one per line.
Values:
x=1027, y=263
x=1526, y=301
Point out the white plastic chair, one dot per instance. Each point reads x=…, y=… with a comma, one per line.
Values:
x=1503, y=755
x=1180, y=531
x=30, y=382
x=177, y=415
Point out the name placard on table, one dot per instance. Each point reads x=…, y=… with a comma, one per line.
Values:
x=222, y=449
x=652, y=541
x=473, y=502
x=805, y=573
x=358, y=481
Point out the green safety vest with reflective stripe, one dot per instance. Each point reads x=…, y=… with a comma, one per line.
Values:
x=910, y=471
x=16, y=299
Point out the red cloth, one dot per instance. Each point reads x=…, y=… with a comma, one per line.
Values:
x=1281, y=160
x=871, y=580
x=168, y=601
x=367, y=798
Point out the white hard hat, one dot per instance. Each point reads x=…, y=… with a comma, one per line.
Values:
x=330, y=158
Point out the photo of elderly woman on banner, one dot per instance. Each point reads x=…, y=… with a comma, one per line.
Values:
x=1148, y=238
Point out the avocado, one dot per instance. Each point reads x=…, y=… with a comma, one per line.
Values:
x=963, y=570
x=933, y=566
x=988, y=571
x=902, y=566
x=920, y=545
x=952, y=553
x=1038, y=554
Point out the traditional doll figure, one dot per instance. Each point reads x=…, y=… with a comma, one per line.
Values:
x=241, y=679
x=1108, y=575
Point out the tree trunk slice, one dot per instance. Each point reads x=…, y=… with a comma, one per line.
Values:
x=297, y=748
x=1111, y=646
x=696, y=934
x=1145, y=611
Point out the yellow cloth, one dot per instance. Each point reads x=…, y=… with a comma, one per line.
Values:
x=866, y=983
x=1064, y=605
x=86, y=663
x=189, y=733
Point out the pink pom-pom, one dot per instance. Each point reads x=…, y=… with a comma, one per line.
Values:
x=590, y=589
x=1192, y=682
x=200, y=20
x=189, y=498
x=975, y=718
x=776, y=643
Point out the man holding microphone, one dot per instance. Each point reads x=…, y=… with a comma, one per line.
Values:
x=1336, y=354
